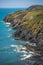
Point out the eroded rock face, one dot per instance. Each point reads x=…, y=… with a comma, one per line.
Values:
x=26, y=34
x=32, y=62
x=15, y=19
x=29, y=26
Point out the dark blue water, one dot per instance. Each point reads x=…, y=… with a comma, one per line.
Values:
x=8, y=55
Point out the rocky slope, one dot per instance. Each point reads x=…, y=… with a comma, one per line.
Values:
x=29, y=26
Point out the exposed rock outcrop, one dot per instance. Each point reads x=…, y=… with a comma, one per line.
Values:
x=29, y=26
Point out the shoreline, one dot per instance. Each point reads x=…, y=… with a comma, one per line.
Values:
x=31, y=33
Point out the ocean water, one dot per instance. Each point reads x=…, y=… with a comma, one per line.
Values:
x=9, y=47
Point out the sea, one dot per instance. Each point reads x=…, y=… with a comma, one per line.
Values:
x=10, y=53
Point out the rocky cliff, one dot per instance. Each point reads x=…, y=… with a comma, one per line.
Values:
x=29, y=26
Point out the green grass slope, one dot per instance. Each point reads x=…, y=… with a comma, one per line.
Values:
x=33, y=20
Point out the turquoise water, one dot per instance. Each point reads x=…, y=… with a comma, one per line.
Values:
x=8, y=45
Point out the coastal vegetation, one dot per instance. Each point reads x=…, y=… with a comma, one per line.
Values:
x=29, y=27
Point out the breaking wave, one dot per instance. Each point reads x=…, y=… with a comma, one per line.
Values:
x=19, y=49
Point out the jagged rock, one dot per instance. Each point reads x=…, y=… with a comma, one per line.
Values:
x=29, y=27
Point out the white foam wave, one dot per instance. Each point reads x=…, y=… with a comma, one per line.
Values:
x=27, y=42
x=13, y=45
x=8, y=23
x=19, y=48
x=30, y=54
x=26, y=56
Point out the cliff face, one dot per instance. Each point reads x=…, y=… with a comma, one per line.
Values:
x=15, y=18
x=29, y=26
